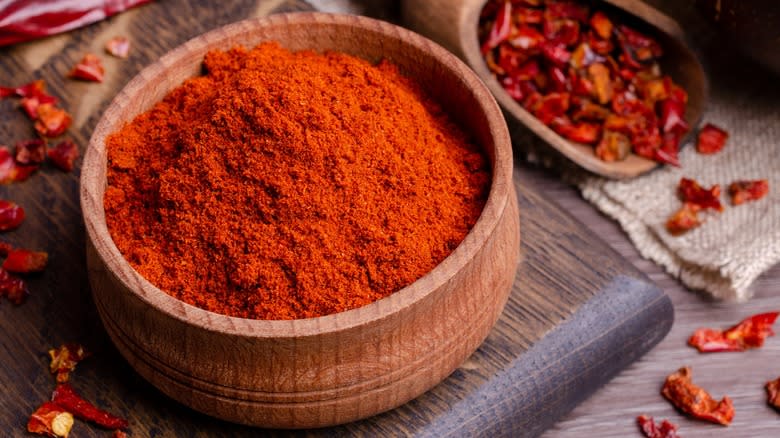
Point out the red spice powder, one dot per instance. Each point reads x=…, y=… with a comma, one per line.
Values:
x=285, y=185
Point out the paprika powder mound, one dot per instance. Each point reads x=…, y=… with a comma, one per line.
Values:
x=285, y=185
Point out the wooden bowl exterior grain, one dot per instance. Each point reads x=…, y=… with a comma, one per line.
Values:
x=337, y=368
x=453, y=23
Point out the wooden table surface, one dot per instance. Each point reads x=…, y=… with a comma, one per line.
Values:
x=612, y=410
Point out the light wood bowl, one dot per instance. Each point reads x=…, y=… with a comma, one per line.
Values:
x=453, y=23
x=332, y=369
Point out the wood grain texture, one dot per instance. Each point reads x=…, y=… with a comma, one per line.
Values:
x=454, y=24
x=563, y=267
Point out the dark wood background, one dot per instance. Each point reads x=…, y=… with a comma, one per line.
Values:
x=578, y=313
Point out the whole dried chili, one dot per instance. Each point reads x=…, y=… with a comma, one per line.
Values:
x=773, y=393
x=65, y=359
x=547, y=53
x=11, y=215
x=51, y=420
x=744, y=191
x=66, y=397
x=26, y=20
x=695, y=401
x=329, y=183
x=711, y=139
x=750, y=333
x=648, y=427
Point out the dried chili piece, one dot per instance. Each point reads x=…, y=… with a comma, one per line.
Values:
x=501, y=27
x=526, y=38
x=581, y=132
x=555, y=53
x=11, y=215
x=65, y=359
x=64, y=154
x=711, y=139
x=50, y=420
x=749, y=333
x=90, y=68
x=66, y=397
x=31, y=89
x=695, y=401
x=744, y=191
x=602, y=83
x=613, y=146
x=30, y=104
x=23, y=261
x=118, y=46
x=773, y=393
x=10, y=170
x=649, y=428
x=13, y=287
x=51, y=121
x=30, y=152
x=669, y=151
x=691, y=192
x=672, y=117
x=684, y=219
x=601, y=25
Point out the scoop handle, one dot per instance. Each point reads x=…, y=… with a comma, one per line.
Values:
x=448, y=22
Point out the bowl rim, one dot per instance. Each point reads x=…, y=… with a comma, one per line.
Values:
x=500, y=189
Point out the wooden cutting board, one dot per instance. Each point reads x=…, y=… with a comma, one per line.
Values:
x=577, y=315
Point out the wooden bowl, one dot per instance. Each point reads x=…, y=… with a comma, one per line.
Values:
x=453, y=23
x=336, y=368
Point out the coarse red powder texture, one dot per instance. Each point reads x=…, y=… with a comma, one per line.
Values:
x=286, y=185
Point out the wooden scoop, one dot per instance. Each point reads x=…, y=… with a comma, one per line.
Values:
x=453, y=23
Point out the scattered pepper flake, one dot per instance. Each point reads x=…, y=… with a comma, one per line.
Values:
x=648, y=427
x=773, y=393
x=695, y=401
x=749, y=333
x=65, y=359
x=13, y=287
x=30, y=104
x=90, y=68
x=23, y=261
x=744, y=191
x=10, y=170
x=711, y=139
x=118, y=46
x=691, y=192
x=51, y=121
x=64, y=154
x=66, y=397
x=11, y=215
x=50, y=420
x=684, y=219
x=30, y=152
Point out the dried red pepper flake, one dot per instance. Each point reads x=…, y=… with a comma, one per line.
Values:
x=744, y=191
x=555, y=53
x=51, y=121
x=30, y=152
x=118, y=46
x=65, y=359
x=749, y=333
x=50, y=420
x=34, y=88
x=10, y=170
x=669, y=151
x=90, y=68
x=613, y=146
x=13, y=287
x=581, y=132
x=526, y=38
x=684, y=219
x=11, y=215
x=602, y=83
x=637, y=40
x=711, y=139
x=695, y=401
x=649, y=428
x=672, y=117
x=566, y=10
x=773, y=393
x=23, y=261
x=64, y=154
x=66, y=397
x=601, y=25
x=564, y=32
x=30, y=104
x=691, y=192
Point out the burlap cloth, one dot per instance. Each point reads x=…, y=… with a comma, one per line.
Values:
x=730, y=250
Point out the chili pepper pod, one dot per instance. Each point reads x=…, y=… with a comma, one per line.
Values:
x=66, y=397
